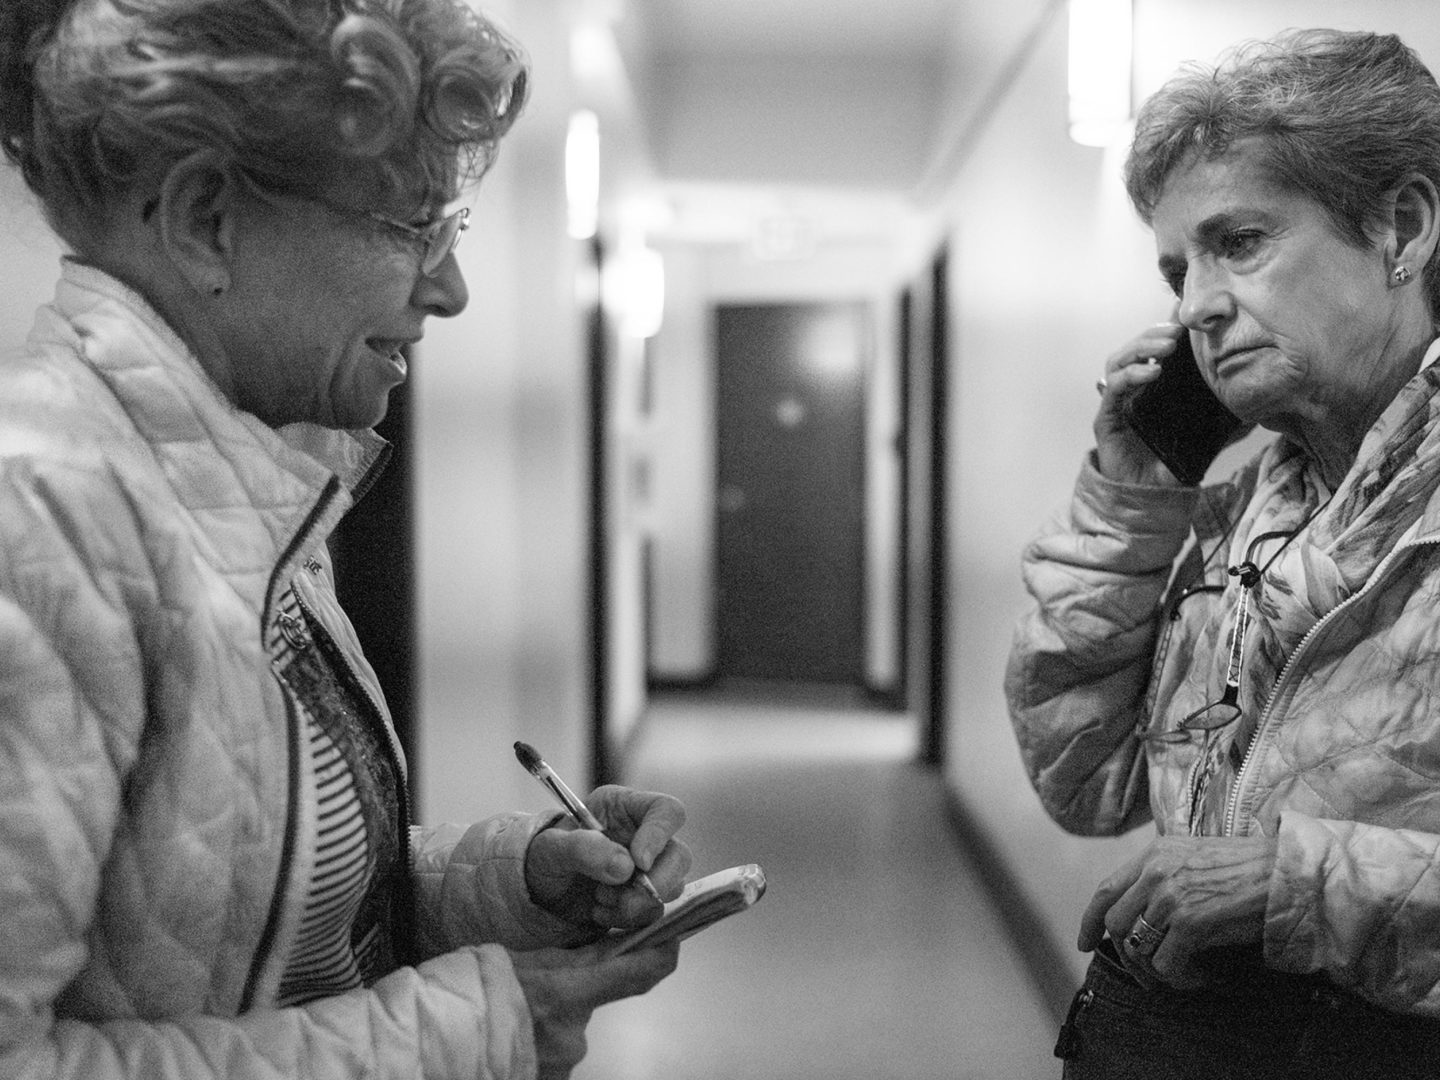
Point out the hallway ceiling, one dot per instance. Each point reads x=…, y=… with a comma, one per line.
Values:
x=774, y=100
x=790, y=91
x=843, y=27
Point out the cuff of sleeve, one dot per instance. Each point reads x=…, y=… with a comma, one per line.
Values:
x=1296, y=936
x=483, y=896
x=1107, y=506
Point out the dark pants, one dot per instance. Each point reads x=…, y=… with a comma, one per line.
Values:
x=1257, y=1025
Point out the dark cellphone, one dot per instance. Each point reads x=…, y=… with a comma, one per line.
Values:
x=1180, y=418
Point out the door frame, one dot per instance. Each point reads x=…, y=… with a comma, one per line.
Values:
x=597, y=364
x=932, y=733
x=925, y=364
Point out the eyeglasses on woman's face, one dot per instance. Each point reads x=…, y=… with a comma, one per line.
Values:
x=436, y=239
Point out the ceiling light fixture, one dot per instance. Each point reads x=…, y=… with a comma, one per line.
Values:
x=1101, y=71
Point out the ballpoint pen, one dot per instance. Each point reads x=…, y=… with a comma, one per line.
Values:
x=578, y=811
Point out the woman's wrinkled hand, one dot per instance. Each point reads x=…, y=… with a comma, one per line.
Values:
x=1202, y=893
x=585, y=876
x=1121, y=454
x=564, y=986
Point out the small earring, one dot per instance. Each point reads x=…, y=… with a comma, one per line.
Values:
x=1400, y=275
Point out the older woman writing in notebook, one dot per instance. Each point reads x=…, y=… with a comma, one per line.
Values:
x=207, y=863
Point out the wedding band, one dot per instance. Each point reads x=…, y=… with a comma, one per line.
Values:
x=1100, y=385
x=1144, y=939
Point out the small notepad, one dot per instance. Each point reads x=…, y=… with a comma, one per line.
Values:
x=702, y=902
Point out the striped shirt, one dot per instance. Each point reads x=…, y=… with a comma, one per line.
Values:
x=343, y=941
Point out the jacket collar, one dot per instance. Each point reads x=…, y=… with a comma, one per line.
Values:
x=1420, y=399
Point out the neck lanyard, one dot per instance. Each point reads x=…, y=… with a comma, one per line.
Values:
x=1250, y=576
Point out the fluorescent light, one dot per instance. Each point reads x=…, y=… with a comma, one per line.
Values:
x=1101, y=43
x=582, y=174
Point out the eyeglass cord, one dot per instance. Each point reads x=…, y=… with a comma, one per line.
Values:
x=1250, y=574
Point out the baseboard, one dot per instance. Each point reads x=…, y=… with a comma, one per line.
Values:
x=681, y=684
x=1044, y=959
x=885, y=697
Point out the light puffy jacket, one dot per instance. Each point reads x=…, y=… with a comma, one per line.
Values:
x=157, y=819
x=1345, y=766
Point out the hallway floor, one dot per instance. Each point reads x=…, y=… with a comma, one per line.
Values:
x=874, y=954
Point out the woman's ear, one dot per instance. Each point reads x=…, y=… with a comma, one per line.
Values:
x=196, y=210
x=1416, y=223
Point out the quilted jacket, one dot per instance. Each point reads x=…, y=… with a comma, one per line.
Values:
x=157, y=820
x=1344, y=766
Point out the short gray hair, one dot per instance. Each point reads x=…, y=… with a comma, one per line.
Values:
x=1342, y=118
x=99, y=95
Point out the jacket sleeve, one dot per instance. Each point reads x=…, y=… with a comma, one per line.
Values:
x=470, y=886
x=1360, y=903
x=1081, y=658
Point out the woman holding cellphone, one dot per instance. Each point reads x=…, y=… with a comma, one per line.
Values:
x=1250, y=665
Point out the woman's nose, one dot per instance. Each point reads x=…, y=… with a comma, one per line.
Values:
x=443, y=292
x=1206, y=298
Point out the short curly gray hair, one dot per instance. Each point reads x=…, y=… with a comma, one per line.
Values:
x=1342, y=118
x=97, y=96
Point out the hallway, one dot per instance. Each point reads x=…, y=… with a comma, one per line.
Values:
x=874, y=954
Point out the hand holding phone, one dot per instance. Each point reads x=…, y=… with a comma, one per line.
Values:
x=1179, y=417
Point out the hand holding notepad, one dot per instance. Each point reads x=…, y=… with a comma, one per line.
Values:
x=702, y=902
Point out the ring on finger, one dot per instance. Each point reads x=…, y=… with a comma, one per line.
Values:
x=1143, y=938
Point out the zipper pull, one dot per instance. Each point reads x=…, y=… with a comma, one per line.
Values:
x=295, y=631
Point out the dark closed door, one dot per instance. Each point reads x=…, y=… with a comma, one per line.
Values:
x=791, y=491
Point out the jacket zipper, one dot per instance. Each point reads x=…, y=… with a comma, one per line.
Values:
x=292, y=723
x=392, y=743
x=1232, y=807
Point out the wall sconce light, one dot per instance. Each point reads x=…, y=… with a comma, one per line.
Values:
x=635, y=291
x=1101, y=71
x=582, y=174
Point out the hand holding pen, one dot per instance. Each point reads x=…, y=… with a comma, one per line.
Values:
x=643, y=823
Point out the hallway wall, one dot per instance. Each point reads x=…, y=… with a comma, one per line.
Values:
x=502, y=473
x=1050, y=272
x=502, y=423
